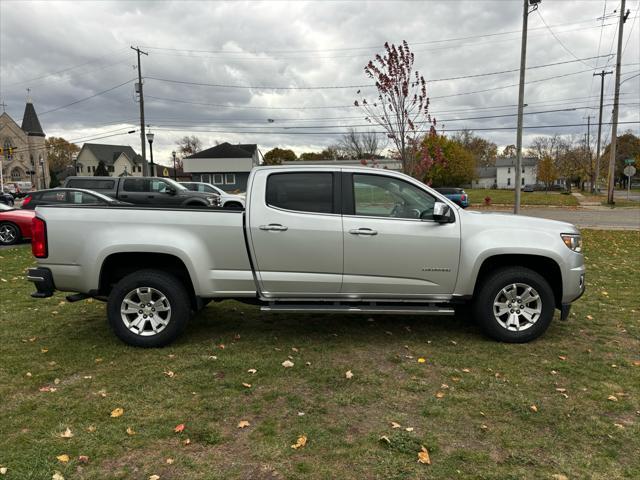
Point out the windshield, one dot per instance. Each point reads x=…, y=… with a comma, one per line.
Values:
x=174, y=184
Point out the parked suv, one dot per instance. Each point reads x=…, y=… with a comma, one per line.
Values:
x=66, y=196
x=456, y=195
x=227, y=200
x=149, y=191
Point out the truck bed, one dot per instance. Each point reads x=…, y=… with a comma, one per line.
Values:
x=210, y=243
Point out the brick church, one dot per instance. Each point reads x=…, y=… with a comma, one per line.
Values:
x=24, y=154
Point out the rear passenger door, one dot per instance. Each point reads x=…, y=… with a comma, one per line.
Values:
x=134, y=190
x=296, y=232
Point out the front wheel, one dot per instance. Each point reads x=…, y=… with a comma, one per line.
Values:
x=148, y=308
x=514, y=305
x=9, y=234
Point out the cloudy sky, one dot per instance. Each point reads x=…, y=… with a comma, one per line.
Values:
x=213, y=67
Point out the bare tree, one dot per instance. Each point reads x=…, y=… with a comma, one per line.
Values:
x=188, y=145
x=401, y=107
x=360, y=145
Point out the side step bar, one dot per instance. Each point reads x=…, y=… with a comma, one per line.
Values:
x=428, y=309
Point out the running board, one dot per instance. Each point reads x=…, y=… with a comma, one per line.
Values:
x=371, y=309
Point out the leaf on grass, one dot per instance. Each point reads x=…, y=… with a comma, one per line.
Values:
x=385, y=439
x=243, y=423
x=300, y=443
x=130, y=431
x=348, y=374
x=47, y=389
x=287, y=364
x=66, y=434
x=636, y=363
x=57, y=476
x=613, y=398
x=562, y=357
x=83, y=459
x=186, y=442
x=169, y=461
x=179, y=428
x=589, y=317
x=440, y=394
x=422, y=360
x=44, y=350
x=169, y=374
x=395, y=425
x=466, y=370
x=246, y=385
x=64, y=458
x=91, y=428
x=154, y=477
x=409, y=429
x=423, y=456
x=619, y=425
x=3, y=470
x=252, y=371
x=117, y=412
x=533, y=408
x=559, y=476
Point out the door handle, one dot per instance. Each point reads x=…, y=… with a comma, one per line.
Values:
x=363, y=231
x=273, y=227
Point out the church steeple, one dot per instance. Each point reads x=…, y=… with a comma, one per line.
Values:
x=30, y=123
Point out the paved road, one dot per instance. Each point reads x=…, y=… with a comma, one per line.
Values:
x=596, y=217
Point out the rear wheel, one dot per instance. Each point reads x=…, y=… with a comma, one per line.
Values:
x=9, y=233
x=148, y=308
x=514, y=305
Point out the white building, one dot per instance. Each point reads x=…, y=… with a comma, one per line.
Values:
x=506, y=172
x=485, y=177
x=117, y=159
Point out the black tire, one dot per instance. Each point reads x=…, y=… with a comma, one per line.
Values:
x=492, y=285
x=9, y=233
x=165, y=284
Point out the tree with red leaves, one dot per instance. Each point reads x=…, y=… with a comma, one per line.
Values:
x=401, y=107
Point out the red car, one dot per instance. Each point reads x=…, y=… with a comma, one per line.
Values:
x=15, y=224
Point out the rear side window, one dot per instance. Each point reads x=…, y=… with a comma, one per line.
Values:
x=302, y=192
x=134, y=185
x=91, y=184
x=53, y=197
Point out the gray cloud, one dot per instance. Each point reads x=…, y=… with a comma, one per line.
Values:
x=298, y=44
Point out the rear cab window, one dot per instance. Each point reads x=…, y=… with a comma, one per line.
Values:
x=312, y=192
x=90, y=184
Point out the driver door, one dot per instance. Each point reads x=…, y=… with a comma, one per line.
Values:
x=389, y=250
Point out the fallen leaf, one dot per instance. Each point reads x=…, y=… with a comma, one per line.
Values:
x=169, y=461
x=221, y=346
x=64, y=458
x=66, y=434
x=169, y=374
x=130, y=431
x=561, y=390
x=423, y=456
x=57, y=476
x=3, y=470
x=56, y=381
x=440, y=394
x=559, y=476
x=252, y=371
x=118, y=412
x=28, y=374
x=395, y=425
x=243, y=424
x=44, y=350
x=179, y=428
x=409, y=429
x=466, y=370
x=287, y=364
x=421, y=360
x=562, y=357
x=154, y=477
x=613, y=398
x=533, y=408
x=348, y=374
x=294, y=349
x=246, y=385
x=83, y=459
x=589, y=317
x=636, y=363
x=91, y=428
x=47, y=389
x=187, y=442
x=301, y=442
x=385, y=439
x=619, y=425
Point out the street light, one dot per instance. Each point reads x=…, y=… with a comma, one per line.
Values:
x=174, y=165
x=150, y=140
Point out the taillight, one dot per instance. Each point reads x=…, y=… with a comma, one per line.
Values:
x=26, y=200
x=39, y=238
x=464, y=198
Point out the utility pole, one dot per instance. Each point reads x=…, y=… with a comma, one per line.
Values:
x=142, y=139
x=523, y=62
x=616, y=99
x=588, y=145
x=594, y=187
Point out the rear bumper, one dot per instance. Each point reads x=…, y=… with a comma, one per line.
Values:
x=43, y=280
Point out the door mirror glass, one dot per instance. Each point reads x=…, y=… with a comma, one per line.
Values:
x=442, y=213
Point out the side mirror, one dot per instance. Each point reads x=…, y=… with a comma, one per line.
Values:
x=442, y=213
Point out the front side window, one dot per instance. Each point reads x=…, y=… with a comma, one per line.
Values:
x=302, y=192
x=134, y=185
x=381, y=196
x=159, y=186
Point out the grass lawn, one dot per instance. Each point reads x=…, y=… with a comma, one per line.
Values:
x=470, y=403
x=477, y=195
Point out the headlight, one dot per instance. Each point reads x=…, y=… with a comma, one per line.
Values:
x=572, y=241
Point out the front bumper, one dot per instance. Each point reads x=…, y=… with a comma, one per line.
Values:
x=43, y=280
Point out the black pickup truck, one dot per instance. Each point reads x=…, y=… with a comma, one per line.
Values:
x=145, y=191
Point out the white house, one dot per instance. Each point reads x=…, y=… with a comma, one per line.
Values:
x=485, y=177
x=506, y=172
x=224, y=165
x=117, y=159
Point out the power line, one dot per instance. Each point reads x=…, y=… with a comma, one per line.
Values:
x=86, y=98
x=560, y=41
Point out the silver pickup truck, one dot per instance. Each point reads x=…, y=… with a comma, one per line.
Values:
x=312, y=239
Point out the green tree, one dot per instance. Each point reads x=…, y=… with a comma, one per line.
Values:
x=101, y=171
x=627, y=146
x=451, y=164
x=276, y=156
x=483, y=150
x=60, y=153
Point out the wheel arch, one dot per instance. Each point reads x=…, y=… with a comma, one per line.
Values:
x=547, y=267
x=118, y=265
